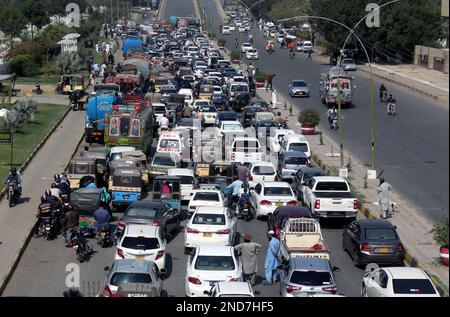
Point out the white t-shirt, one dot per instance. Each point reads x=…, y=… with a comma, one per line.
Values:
x=164, y=122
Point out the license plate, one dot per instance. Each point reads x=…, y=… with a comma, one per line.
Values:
x=279, y=204
x=207, y=235
x=383, y=250
x=140, y=257
x=126, y=197
x=334, y=214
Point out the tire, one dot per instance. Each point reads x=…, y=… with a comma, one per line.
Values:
x=80, y=257
x=355, y=258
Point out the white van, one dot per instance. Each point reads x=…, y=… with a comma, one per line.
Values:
x=236, y=88
x=246, y=150
x=188, y=96
x=295, y=142
x=187, y=180
x=192, y=49
x=170, y=142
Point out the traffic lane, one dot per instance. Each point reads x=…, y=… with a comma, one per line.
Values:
x=183, y=8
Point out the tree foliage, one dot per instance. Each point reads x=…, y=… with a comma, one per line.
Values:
x=12, y=21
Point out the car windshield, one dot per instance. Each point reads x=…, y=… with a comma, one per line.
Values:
x=308, y=176
x=413, y=286
x=348, y=61
x=380, y=234
x=296, y=161
x=207, y=196
x=265, y=117
x=232, y=127
x=332, y=186
x=187, y=180
x=239, y=88
x=214, y=263
x=122, y=278
x=140, y=212
x=140, y=243
x=263, y=170
x=277, y=191
x=267, y=124
x=209, y=219
x=164, y=161
x=159, y=110
x=298, y=147
x=311, y=278
x=209, y=109
x=298, y=84
x=169, y=144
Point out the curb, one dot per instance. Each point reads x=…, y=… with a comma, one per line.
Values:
x=399, y=83
x=410, y=260
x=25, y=242
x=38, y=147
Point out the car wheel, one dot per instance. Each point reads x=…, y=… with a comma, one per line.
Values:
x=355, y=258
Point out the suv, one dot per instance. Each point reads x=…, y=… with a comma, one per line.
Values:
x=307, y=275
x=290, y=162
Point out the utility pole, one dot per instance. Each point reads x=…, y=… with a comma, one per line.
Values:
x=341, y=133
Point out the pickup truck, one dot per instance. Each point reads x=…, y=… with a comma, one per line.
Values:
x=330, y=197
x=302, y=237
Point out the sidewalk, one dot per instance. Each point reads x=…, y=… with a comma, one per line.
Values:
x=16, y=223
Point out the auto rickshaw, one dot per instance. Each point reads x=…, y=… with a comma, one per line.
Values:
x=78, y=168
x=125, y=187
x=291, y=41
x=98, y=155
x=141, y=160
x=270, y=46
x=119, y=164
x=69, y=83
x=86, y=201
x=217, y=172
x=205, y=92
x=167, y=189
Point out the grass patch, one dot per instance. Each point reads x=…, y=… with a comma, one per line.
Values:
x=25, y=141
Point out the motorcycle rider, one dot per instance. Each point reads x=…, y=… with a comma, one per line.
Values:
x=250, y=38
x=62, y=184
x=164, y=123
x=235, y=191
x=331, y=113
x=54, y=201
x=245, y=198
x=278, y=118
x=55, y=191
x=236, y=43
x=15, y=179
x=71, y=223
x=291, y=53
x=102, y=218
x=383, y=91
x=392, y=103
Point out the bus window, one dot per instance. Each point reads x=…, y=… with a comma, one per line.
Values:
x=135, y=127
x=124, y=126
x=113, y=130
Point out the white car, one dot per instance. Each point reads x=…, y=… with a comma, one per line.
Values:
x=217, y=90
x=198, y=104
x=398, y=282
x=209, y=114
x=242, y=29
x=206, y=198
x=188, y=183
x=228, y=126
x=210, y=226
x=232, y=27
x=225, y=29
x=245, y=47
x=267, y=196
x=159, y=110
x=142, y=242
x=252, y=54
x=274, y=141
x=207, y=265
x=262, y=172
x=231, y=289
x=188, y=96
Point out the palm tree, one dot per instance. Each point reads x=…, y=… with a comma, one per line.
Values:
x=26, y=109
x=68, y=63
x=11, y=120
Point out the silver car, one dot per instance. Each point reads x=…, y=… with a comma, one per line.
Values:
x=299, y=88
x=307, y=275
x=348, y=64
x=126, y=271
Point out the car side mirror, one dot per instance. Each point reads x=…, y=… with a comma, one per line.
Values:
x=395, y=227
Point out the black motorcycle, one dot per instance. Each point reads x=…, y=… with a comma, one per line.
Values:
x=82, y=247
x=103, y=237
x=48, y=225
x=245, y=212
x=13, y=194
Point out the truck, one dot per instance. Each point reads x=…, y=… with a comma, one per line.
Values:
x=182, y=23
x=302, y=237
x=98, y=107
x=134, y=42
x=330, y=197
x=329, y=87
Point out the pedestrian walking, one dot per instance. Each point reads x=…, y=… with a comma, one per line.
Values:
x=383, y=198
x=248, y=252
x=309, y=56
x=270, y=82
x=272, y=263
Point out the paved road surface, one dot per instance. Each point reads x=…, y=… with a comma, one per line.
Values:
x=412, y=148
x=183, y=8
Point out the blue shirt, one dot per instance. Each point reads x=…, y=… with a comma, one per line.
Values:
x=91, y=185
x=236, y=187
x=102, y=218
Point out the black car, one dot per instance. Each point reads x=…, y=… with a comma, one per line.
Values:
x=249, y=114
x=259, y=103
x=264, y=129
x=373, y=241
x=303, y=176
x=156, y=213
x=220, y=102
x=240, y=101
x=225, y=116
x=276, y=220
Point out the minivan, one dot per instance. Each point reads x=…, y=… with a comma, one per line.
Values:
x=295, y=142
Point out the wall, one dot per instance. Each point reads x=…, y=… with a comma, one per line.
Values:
x=432, y=58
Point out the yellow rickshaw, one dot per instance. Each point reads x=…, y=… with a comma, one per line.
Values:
x=69, y=83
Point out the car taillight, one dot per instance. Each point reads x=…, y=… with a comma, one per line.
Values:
x=194, y=280
x=364, y=247
x=332, y=290
x=292, y=203
x=159, y=255
x=233, y=279
x=250, y=178
x=139, y=197
x=156, y=223
x=317, y=204
x=266, y=203
x=121, y=225
x=291, y=288
x=223, y=232
x=189, y=230
x=400, y=247
x=74, y=242
x=107, y=291
x=192, y=208
x=120, y=253
x=355, y=204
x=277, y=179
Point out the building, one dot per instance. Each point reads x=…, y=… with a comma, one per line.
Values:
x=69, y=43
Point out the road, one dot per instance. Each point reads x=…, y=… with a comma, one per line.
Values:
x=182, y=8
x=411, y=149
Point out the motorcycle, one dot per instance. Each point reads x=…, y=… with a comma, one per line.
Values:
x=334, y=123
x=82, y=247
x=392, y=109
x=13, y=195
x=38, y=90
x=103, y=237
x=245, y=211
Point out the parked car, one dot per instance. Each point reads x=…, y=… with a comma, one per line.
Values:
x=275, y=220
x=307, y=275
x=290, y=162
x=267, y=196
x=210, y=226
x=373, y=241
x=398, y=282
x=299, y=88
x=207, y=265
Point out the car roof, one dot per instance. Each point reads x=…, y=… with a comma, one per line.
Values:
x=132, y=266
x=307, y=169
x=375, y=223
x=276, y=184
x=120, y=149
x=294, y=154
x=329, y=179
x=234, y=288
x=294, y=212
x=310, y=263
x=262, y=163
x=180, y=172
x=231, y=122
x=148, y=204
x=294, y=80
x=295, y=136
x=212, y=210
x=139, y=230
x=207, y=191
x=406, y=272
x=214, y=250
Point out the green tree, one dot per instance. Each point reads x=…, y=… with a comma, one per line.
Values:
x=12, y=22
x=35, y=14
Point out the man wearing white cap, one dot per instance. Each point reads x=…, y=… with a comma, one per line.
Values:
x=271, y=263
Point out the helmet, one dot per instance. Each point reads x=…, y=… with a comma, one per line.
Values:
x=43, y=199
x=48, y=193
x=13, y=170
x=279, y=114
x=53, y=185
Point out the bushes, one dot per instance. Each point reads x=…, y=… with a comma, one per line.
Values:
x=24, y=65
x=236, y=55
x=440, y=233
x=309, y=116
x=221, y=42
x=261, y=76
